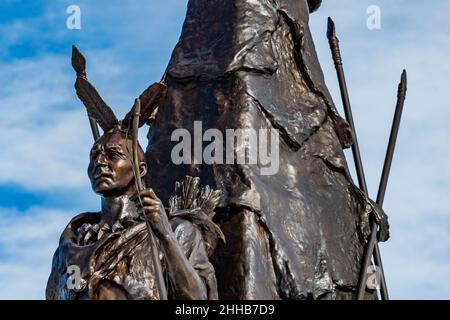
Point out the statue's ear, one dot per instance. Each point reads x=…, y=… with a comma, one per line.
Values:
x=97, y=109
x=142, y=169
x=314, y=5
x=151, y=99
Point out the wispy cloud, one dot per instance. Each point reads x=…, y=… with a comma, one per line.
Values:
x=27, y=243
x=40, y=127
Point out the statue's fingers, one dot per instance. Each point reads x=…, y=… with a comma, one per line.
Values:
x=149, y=193
x=150, y=201
x=145, y=193
x=151, y=208
x=153, y=194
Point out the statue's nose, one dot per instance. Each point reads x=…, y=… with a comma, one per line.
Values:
x=101, y=160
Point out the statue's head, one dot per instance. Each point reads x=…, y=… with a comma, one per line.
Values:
x=111, y=167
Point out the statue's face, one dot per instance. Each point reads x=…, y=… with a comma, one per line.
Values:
x=110, y=168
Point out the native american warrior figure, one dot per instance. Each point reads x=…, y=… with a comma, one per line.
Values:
x=112, y=249
x=295, y=234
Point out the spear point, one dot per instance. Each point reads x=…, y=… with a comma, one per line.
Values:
x=403, y=86
x=331, y=31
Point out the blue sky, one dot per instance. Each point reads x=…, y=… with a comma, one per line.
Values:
x=45, y=136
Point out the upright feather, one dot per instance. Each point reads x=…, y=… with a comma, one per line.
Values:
x=151, y=99
x=96, y=108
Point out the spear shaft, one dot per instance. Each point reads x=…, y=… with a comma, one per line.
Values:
x=335, y=50
x=140, y=186
x=401, y=96
x=336, y=53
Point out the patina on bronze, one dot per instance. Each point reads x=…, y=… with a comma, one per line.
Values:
x=112, y=248
x=297, y=234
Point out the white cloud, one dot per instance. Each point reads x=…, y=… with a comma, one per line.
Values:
x=27, y=243
x=39, y=127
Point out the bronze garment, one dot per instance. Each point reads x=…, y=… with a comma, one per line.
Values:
x=119, y=265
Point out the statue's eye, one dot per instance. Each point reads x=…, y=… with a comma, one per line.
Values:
x=114, y=154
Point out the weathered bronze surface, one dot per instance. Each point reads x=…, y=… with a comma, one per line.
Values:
x=112, y=248
x=300, y=233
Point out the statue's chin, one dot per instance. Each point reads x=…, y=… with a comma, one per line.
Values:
x=104, y=188
x=108, y=190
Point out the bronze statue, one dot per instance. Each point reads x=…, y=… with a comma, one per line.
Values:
x=112, y=248
x=296, y=234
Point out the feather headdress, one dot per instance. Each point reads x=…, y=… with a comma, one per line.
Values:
x=98, y=110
